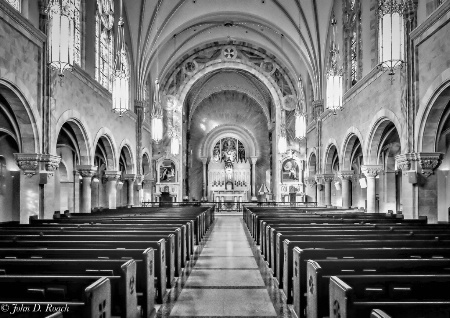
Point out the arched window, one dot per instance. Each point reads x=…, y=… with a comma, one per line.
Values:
x=77, y=25
x=16, y=4
x=352, y=42
x=104, y=43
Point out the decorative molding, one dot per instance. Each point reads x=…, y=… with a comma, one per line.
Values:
x=131, y=177
x=328, y=177
x=429, y=161
x=318, y=178
x=21, y=24
x=404, y=161
x=28, y=163
x=371, y=171
x=347, y=175
x=111, y=175
x=51, y=163
x=433, y=18
x=87, y=171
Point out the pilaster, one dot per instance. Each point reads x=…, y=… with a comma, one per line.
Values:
x=111, y=178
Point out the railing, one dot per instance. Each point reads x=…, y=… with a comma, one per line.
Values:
x=230, y=206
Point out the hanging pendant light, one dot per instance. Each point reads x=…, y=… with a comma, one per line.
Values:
x=61, y=33
x=391, y=34
x=282, y=142
x=121, y=78
x=157, y=115
x=334, y=75
x=300, y=117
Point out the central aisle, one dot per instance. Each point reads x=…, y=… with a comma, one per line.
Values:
x=226, y=280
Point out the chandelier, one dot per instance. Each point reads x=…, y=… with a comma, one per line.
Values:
x=121, y=78
x=61, y=33
x=282, y=142
x=334, y=75
x=391, y=34
x=157, y=115
x=300, y=117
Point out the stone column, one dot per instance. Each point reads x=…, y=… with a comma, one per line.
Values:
x=346, y=177
x=139, y=190
x=254, y=159
x=130, y=178
x=29, y=185
x=328, y=178
x=76, y=191
x=111, y=190
x=86, y=172
x=371, y=171
x=319, y=189
x=204, y=182
x=312, y=185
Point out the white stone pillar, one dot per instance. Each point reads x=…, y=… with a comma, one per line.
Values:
x=319, y=189
x=328, y=178
x=311, y=188
x=86, y=172
x=254, y=159
x=371, y=171
x=204, y=181
x=346, y=177
x=130, y=178
x=29, y=185
x=111, y=190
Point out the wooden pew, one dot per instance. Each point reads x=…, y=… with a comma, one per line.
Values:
x=377, y=313
x=301, y=256
x=121, y=273
x=171, y=258
x=150, y=264
x=289, y=246
x=318, y=275
x=87, y=296
x=411, y=296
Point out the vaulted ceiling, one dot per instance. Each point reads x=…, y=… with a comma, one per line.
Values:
x=293, y=31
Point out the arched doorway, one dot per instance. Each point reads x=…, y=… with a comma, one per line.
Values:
x=105, y=162
x=352, y=160
x=332, y=194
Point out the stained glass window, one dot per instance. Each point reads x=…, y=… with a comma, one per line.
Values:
x=352, y=47
x=16, y=4
x=77, y=41
x=104, y=53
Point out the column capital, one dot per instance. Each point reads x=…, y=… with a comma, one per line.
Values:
x=87, y=171
x=346, y=174
x=328, y=177
x=130, y=177
x=28, y=163
x=254, y=159
x=204, y=160
x=318, y=178
x=51, y=162
x=111, y=175
x=429, y=161
x=404, y=161
x=139, y=178
x=371, y=171
x=311, y=181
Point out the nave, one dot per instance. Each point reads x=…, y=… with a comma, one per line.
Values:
x=228, y=278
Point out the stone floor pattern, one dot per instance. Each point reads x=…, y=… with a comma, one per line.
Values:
x=228, y=279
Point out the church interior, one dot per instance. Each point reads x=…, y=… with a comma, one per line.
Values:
x=224, y=158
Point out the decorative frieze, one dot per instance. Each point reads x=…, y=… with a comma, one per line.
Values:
x=371, y=171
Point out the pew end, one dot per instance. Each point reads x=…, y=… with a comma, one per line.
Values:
x=340, y=294
x=98, y=299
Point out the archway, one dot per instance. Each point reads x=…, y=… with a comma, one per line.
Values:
x=352, y=160
x=126, y=168
x=332, y=189
x=311, y=189
x=384, y=144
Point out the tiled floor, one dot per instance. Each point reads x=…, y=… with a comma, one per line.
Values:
x=228, y=279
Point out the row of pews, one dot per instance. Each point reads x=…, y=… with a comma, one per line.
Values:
x=342, y=263
x=113, y=263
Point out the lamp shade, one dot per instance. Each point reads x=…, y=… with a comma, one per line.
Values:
x=300, y=125
x=61, y=33
x=391, y=34
x=157, y=126
x=334, y=90
x=121, y=87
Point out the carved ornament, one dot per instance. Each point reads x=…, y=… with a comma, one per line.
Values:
x=429, y=161
x=28, y=163
x=371, y=171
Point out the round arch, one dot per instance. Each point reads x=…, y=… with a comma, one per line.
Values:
x=383, y=118
x=129, y=157
x=431, y=108
x=312, y=158
x=27, y=117
x=353, y=135
x=78, y=124
x=330, y=150
x=110, y=145
x=222, y=131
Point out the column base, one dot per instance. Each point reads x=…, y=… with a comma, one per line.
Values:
x=254, y=199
